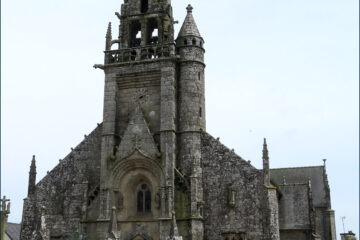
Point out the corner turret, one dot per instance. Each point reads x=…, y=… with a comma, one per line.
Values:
x=189, y=46
x=189, y=34
x=191, y=116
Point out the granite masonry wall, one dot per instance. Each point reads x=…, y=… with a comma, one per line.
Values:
x=57, y=206
x=233, y=193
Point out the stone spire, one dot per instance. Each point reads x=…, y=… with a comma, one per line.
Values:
x=189, y=27
x=32, y=177
x=266, y=163
x=108, y=37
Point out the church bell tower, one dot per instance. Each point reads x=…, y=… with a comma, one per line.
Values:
x=154, y=112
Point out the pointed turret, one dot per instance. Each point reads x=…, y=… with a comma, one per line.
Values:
x=32, y=177
x=189, y=34
x=189, y=27
x=266, y=164
x=192, y=117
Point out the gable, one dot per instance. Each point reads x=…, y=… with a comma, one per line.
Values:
x=137, y=138
x=302, y=175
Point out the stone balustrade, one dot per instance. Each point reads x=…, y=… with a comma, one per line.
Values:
x=139, y=53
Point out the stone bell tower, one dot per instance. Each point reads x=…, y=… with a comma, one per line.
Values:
x=154, y=112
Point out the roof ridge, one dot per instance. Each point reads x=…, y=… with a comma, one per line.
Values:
x=318, y=166
x=230, y=151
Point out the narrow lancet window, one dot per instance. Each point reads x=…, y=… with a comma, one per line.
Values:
x=144, y=199
x=135, y=34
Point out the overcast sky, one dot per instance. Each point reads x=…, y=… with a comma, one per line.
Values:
x=282, y=69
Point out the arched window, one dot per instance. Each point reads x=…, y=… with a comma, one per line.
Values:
x=135, y=33
x=143, y=199
x=194, y=41
x=144, y=6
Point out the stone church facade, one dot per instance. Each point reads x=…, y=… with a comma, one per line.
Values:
x=150, y=171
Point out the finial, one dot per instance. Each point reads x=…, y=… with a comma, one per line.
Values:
x=324, y=160
x=174, y=232
x=114, y=233
x=108, y=32
x=189, y=8
x=266, y=164
x=33, y=163
x=265, y=150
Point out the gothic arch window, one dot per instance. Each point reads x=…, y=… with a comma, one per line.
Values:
x=144, y=6
x=143, y=199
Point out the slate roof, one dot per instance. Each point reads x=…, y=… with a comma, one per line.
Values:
x=316, y=174
x=13, y=231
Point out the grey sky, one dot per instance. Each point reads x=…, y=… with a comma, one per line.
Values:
x=282, y=69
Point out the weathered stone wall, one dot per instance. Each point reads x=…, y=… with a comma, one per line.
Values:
x=29, y=218
x=294, y=207
x=224, y=172
x=294, y=235
x=139, y=84
x=61, y=195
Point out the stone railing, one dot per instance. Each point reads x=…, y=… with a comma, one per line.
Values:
x=139, y=53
